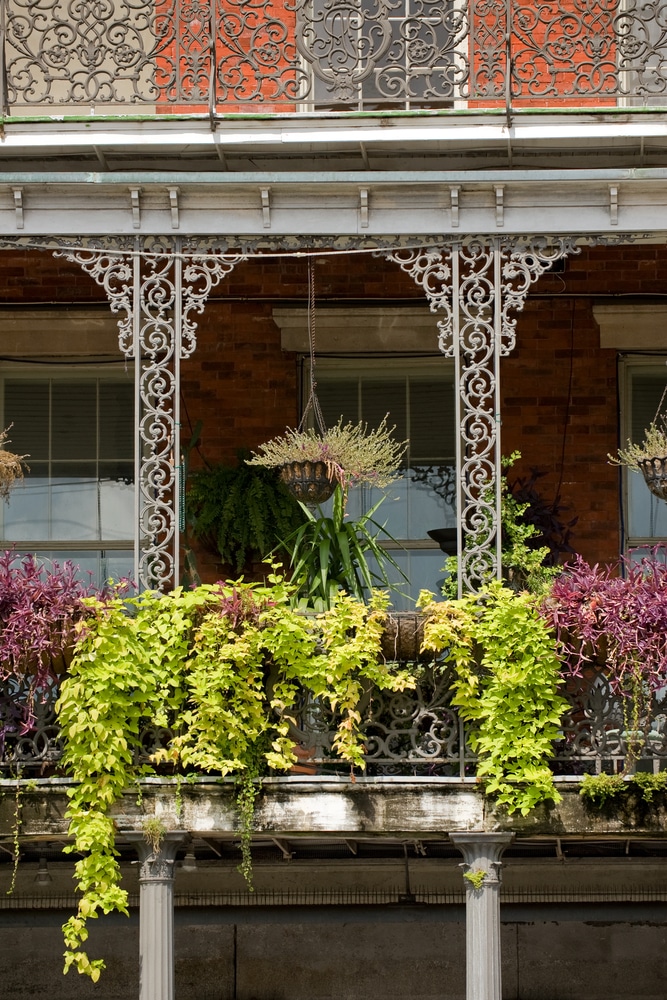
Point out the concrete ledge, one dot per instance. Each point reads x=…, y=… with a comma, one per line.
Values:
x=337, y=807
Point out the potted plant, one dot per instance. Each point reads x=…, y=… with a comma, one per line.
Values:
x=649, y=457
x=240, y=512
x=330, y=553
x=617, y=624
x=11, y=466
x=312, y=462
x=40, y=610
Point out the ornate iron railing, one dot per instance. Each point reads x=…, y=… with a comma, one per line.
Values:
x=414, y=732
x=304, y=55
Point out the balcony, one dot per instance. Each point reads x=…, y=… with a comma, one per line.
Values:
x=414, y=733
x=241, y=56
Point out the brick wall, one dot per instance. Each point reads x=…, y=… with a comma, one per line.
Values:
x=559, y=388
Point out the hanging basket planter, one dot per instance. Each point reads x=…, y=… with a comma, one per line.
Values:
x=309, y=482
x=654, y=471
x=650, y=456
x=11, y=467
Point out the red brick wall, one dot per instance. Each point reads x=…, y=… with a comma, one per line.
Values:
x=559, y=388
x=38, y=277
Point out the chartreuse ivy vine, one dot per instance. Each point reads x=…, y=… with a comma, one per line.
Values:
x=222, y=668
x=506, y=677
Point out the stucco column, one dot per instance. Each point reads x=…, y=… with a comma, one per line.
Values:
x=156, y=916
x=482, y=853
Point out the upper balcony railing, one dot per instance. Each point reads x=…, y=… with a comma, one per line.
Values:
x=231, y=56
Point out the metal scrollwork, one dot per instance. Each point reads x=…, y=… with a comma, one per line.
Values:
x=30, y=732
x=414, y=732
x=92, y=51
x=476, y=358
x=601, y=728
x=115, y=274
x=330, y=54
x=524, y=261
x=157, y=294
x=201, y=276
x=343, y=41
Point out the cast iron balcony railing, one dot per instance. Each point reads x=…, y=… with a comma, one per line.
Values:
x=410, y=733
x=221, y=56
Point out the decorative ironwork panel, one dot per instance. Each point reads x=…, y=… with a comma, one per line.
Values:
x=156, y=295
x=414, y=732
x=409, y=732
x=476, y=356
x=89, y=52
x=589, y=49
x=601, y=733
x=403, y=53
x=524, y=261
x=31, y=735
x=291, y=55
x=463, y=282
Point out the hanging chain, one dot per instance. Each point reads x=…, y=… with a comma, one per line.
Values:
x=657, y=412
x=312, y=402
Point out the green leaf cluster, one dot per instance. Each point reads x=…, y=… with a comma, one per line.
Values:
x=602, y=789
x=222, y=669
x=242, y=511
x=506, y=681
x=523, y=565
x=330, y=553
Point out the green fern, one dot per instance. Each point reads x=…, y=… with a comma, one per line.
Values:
x=240, y=511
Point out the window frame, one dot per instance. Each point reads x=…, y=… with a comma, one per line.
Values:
x=629, y=364
x=71, y=371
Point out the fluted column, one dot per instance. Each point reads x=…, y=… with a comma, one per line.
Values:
x=482, y=865
x=156, y=916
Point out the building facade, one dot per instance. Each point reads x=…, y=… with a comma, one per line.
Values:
x=463, y=206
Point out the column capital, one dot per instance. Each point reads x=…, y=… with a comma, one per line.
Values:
x=157, y=865
x=474, y=844
x=482, y=853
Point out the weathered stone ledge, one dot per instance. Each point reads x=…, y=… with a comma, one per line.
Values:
x=313, y=806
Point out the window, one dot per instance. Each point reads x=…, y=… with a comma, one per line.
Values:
x=419, y=398
x=77, y=502
x=645, y=516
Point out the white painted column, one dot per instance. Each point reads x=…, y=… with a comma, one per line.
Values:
x=156, y=917
x=482, y=853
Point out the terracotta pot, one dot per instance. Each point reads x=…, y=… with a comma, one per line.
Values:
x=309, y=482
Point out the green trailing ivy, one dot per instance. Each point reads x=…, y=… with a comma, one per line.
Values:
x=524, y=561
x=128, y=668
x=223, y=668
x=506, y=679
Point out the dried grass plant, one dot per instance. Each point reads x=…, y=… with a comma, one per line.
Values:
x=12, y=466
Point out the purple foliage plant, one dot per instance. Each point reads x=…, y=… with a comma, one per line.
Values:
x=615, y=616
x=40, y=607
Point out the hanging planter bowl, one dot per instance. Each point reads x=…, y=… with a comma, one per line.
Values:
x=654, y=471
x=309, y=482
